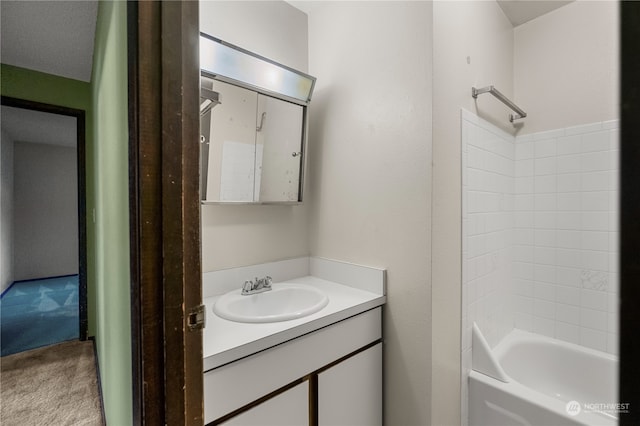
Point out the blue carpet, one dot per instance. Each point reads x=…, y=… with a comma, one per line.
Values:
x=39, y=313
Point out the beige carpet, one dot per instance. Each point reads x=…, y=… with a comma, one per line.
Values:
x=55, y=385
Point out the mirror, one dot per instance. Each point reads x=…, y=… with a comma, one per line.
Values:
x=252, y=138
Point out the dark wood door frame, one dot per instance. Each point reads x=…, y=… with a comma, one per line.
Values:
x=166, y=277
x=82, y=195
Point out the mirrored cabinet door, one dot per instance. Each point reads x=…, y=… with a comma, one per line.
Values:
x=279, y=149
x=232, y=145
x=254, y=146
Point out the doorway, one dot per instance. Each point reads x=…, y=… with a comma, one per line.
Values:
x=44, y=261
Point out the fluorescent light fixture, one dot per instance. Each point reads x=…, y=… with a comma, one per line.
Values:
x=225, y=61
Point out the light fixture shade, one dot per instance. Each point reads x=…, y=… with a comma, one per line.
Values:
x=220, y=59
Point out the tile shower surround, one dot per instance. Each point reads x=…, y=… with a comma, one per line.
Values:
x=565, y=243
x=540, y=234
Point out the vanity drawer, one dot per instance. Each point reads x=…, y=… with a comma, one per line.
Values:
x=239, y=383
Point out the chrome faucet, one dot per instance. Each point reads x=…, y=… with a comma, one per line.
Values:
x=260, y=285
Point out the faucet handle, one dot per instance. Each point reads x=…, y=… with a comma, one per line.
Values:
x=267, y=281
x=247, y=287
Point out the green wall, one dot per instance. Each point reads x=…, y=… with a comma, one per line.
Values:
x=110, y=106
x=106, y=104
x=36, y=86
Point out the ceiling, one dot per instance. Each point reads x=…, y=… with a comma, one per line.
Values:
x=55, y=37
x=517, y=11
x=23, y=125
x=521, y=11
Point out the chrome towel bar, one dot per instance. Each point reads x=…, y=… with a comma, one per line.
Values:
x=502, y=98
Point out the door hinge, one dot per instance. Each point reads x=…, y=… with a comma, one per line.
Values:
x=197, y=318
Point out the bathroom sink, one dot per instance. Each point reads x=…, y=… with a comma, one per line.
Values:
x=286, y=301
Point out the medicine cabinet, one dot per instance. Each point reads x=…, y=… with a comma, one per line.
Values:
x=253, y=121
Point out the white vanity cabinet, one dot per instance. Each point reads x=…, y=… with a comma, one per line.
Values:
x=350, y=393
x=331, y=376
x=290, y=408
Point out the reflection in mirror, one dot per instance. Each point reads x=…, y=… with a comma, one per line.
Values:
x=278, y=150
x=252, y=140
x=232, y=141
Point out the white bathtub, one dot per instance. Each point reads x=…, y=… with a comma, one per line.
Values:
x=548, y=382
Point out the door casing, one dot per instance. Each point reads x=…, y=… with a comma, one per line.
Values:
x=166, y=278
x=82, y=194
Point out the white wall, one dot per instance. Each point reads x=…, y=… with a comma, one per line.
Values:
x=566, y=66
x=567, y=74
x=6, y=212
x=244, y=235
x=273, y=29
x=45, y=211
x=370, y=171
x=472, y=46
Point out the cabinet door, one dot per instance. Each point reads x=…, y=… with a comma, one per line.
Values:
x=232, y=147
x=350, y=393
x=278, y=150
x=290, y=408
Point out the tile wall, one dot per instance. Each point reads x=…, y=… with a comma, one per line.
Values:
x=488, y=165
x=540, y=234
x=565, y=253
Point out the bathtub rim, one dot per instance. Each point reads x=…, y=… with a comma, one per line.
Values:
x=539, y=400
x=517, y=335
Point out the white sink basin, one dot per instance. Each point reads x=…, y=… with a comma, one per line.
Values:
x=284, y=302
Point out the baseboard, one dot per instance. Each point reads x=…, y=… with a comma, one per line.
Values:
x=7, y=289
x=45, y=278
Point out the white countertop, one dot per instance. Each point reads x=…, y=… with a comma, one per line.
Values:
x=226, y=341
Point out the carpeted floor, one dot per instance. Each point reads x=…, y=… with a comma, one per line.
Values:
x=39, y=313
x=55, y=385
